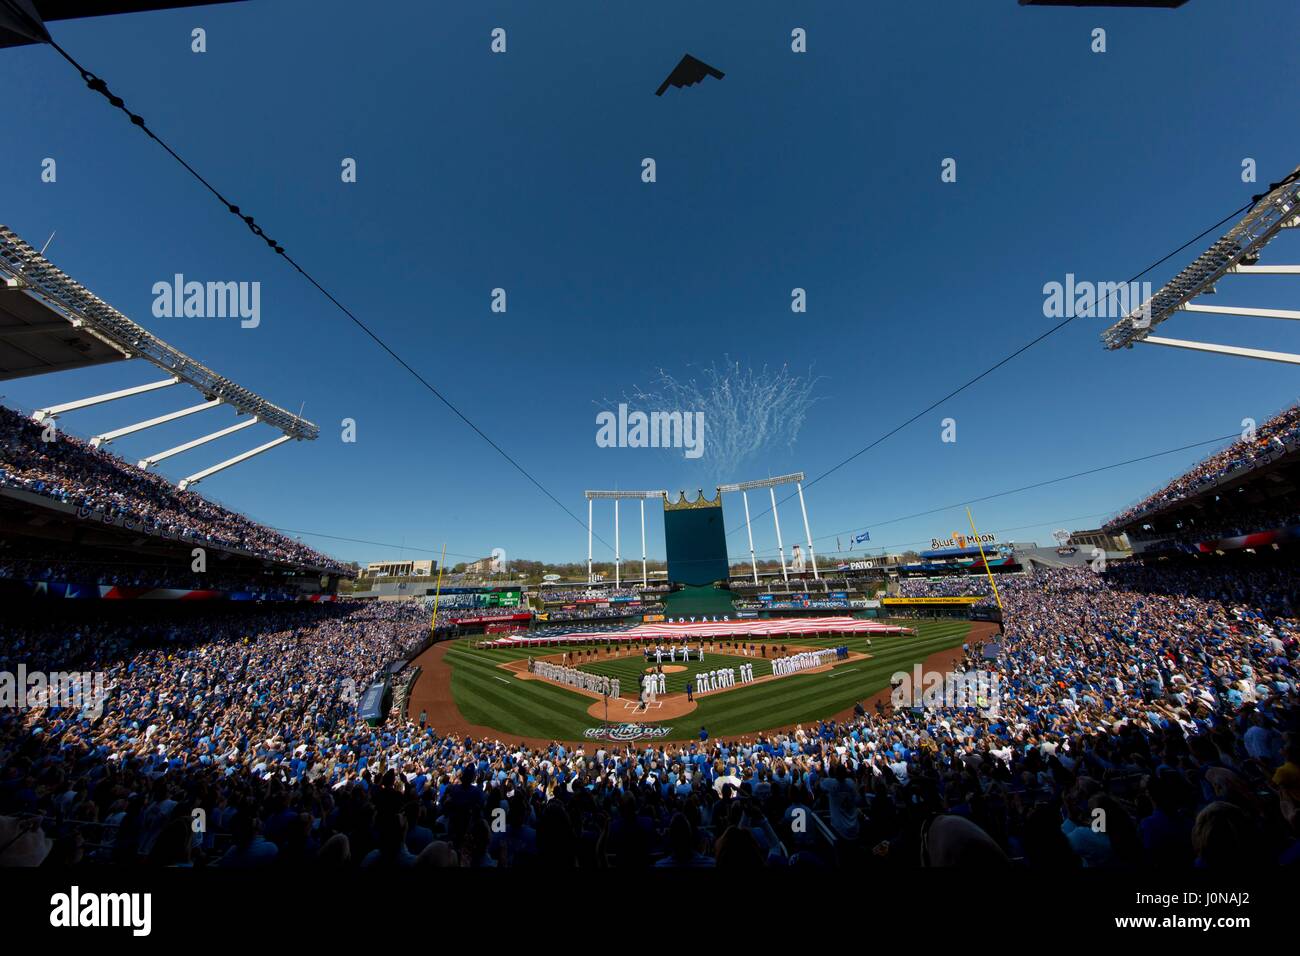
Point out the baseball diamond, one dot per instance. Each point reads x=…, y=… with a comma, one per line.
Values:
x=488, y=694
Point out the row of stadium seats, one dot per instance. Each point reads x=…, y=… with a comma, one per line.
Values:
x=1278, y=436
x=69, y=470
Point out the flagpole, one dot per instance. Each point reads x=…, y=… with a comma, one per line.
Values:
x=987, y=569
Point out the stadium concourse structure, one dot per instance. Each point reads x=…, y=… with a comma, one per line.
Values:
x=1245, y=498
x=80, y=522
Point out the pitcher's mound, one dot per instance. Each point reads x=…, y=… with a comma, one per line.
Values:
x=668, y=668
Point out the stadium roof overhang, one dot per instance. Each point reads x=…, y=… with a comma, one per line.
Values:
x=36, y=338
x=16, y=30
x=1278, y=477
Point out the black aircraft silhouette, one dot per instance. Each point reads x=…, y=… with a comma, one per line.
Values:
x=687, y=73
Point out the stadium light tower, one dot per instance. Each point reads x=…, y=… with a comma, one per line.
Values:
x=1237, y=253
x=618, y=557
x=744, y=487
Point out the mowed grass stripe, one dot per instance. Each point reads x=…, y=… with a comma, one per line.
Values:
x=539, y=709
x=800, y=698
x=527, y=709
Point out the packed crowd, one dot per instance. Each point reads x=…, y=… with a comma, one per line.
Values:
x=794, y=604
x=208, y=705
x=1164, y=698
x=57, y=568
x=567, y=595
x=455, y=601
x=555, y=630
x=955, y=586
x=610, y=613
x=69, y=470
x=1277, y=436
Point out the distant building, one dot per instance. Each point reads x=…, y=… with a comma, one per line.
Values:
x=401, y=569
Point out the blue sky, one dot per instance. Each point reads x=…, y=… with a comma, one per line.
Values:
x=522, y=171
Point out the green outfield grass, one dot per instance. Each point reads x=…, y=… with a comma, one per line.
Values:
x=488, y=695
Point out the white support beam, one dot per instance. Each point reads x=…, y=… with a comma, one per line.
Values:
x=1266, y=270
x=590, y=579
x=147, y=463
x=1261, y=354
x=198, y=476
x=54, y=411
x=807, y=532
x=1242, y=310
x=779, y=548
x=753, y=562
x=101, y=440
x=618, y=557
x=645, y=576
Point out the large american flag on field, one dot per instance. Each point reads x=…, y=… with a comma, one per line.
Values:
x=758, y=628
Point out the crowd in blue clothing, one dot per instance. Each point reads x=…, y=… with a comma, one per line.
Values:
x=1277, y=436
x=1160, y=701
x=960, y=585
x=65, y=468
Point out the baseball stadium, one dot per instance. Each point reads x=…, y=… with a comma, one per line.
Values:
x=686, y=470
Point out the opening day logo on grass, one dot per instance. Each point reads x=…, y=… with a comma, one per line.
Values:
x=627, y=732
